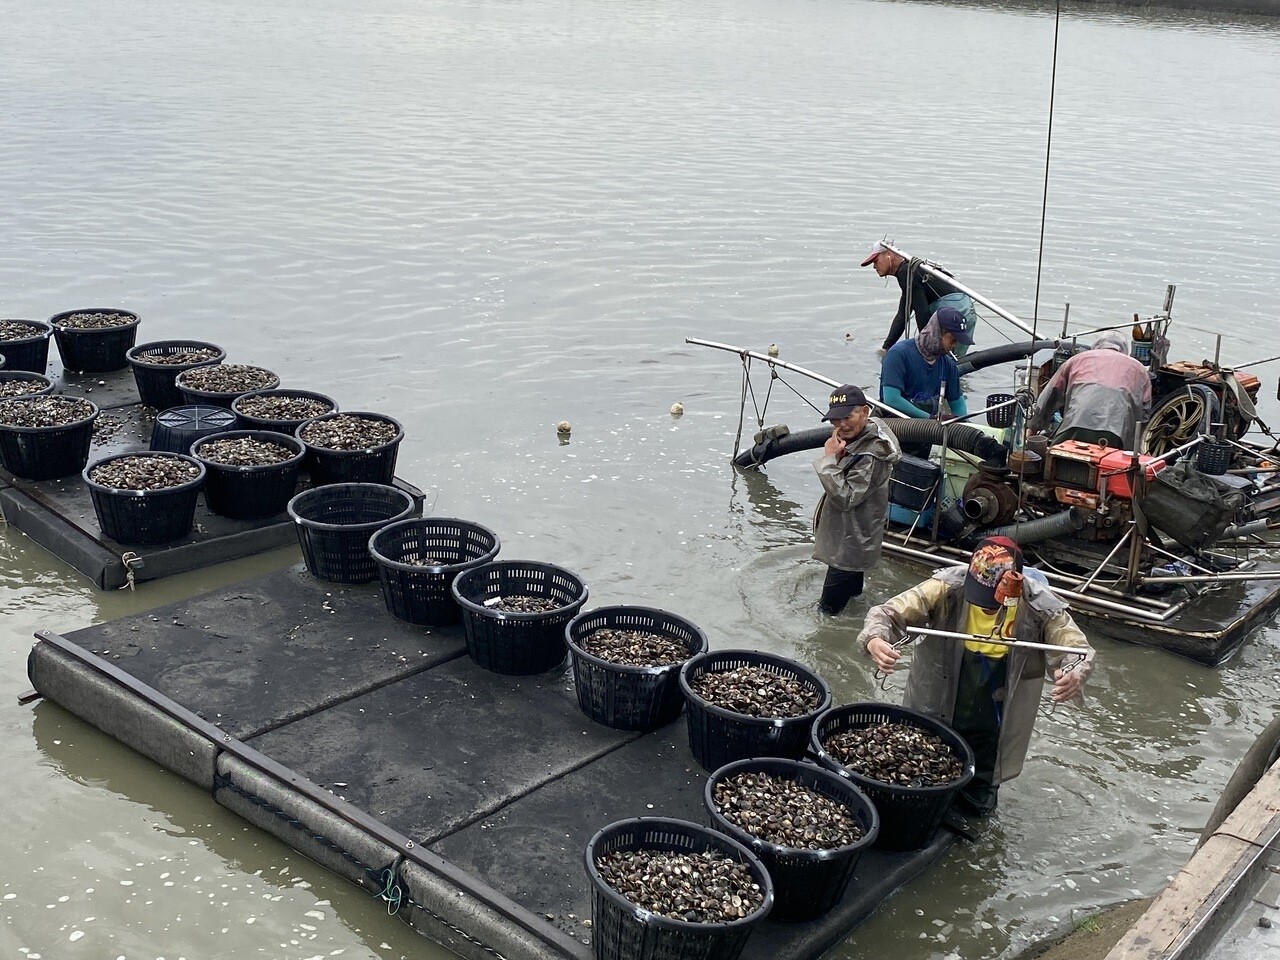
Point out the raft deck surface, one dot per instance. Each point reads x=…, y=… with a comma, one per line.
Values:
x=502, y=779
x=59, y=514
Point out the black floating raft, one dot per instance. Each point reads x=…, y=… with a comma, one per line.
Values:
x=59, y=515
x=279, y=694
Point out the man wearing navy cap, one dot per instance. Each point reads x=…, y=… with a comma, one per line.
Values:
x=854, y=469
x=914, y=374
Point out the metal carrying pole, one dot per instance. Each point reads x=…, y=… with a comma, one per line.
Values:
x=1085, y=653
x=933, y=271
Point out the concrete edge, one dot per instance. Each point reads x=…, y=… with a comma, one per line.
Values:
x=121, y=715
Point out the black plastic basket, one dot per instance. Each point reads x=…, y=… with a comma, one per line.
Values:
x=251, y=492
x=95, y=350
x=1213, y=457
x=29, y=353
x=718, y=736
x=421, y=594
x=47, y=453
x=374, y=465
x=290, y=427
x=517, y=643
x=622, y=931
x=177, y=428
x=806, y=883
x=622, y=696
x=908, y=815
x=335, y=522
x=46, y=384
x=155, y=380
x=144, y=517
x=213, y=398
x=1004, y=416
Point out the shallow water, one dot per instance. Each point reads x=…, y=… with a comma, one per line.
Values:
x=483, y=218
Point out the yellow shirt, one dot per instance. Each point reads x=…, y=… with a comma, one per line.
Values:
x=983, y=624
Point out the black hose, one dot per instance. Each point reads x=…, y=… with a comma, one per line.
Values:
x=1041, y=528
x=960, y=436
x=1005, y=353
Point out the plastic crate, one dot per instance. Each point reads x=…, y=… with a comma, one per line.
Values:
x=334, y=524
x=144, y=517
x=622, y=696
x=622, y=931
x=718, y=736
x=193, y=395
x=96, y=350
x=290, y=427
x=517, y=643
x=177, y=428
x=373, y=465
x=908, y=815
x=29, y=353
x=806, y=883
x=251, y=492
x=47, y=453
x=155, y=380
x=422, y=595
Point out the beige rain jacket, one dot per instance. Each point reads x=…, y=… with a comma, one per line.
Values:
x=935, y=661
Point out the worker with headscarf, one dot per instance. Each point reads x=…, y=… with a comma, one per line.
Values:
x=1103, y=394
x=916, y=373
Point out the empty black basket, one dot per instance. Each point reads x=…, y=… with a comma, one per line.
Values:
x=418, y=561
x=622, y=931
x=622, y=696
x=908, y=815
x=806, y=883
x=1004, y=416
x=718, y=736
x=377, y=464
x=251, y=492
x=144, y=517
x=334, y=524
x=95, y=349
x=47, y=453
x=1214, y=457
x=28, y=353
x=155, y=380
x=517, y=643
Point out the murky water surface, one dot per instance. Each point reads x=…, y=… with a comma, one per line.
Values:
x=483, y=218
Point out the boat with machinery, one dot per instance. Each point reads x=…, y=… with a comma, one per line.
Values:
x=1173, y=544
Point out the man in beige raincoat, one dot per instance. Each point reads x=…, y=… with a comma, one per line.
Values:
x=989, y=693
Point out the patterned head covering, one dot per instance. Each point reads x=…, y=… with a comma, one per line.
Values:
x=994, y=557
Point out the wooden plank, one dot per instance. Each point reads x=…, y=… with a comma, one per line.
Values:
x=1199, y=887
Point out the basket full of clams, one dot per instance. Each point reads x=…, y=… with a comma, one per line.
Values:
x=909, y=764
x=745, y=703
x=667, y=889
x=626, y=664
x=808, y=826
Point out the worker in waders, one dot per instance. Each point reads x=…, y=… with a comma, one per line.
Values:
x=989, y=693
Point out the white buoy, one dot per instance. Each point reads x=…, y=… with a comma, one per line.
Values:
x=773, y=349
x=677, y=409
x=563, y=427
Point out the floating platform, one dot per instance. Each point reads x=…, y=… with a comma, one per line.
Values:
x=378, y=749
x=59, y=515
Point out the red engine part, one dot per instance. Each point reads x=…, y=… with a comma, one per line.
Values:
x=1090, y=466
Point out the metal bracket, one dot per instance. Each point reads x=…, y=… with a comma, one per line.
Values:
x=131, y=561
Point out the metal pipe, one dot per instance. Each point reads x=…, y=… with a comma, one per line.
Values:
x=1107, y=559
x=948, y=278
x=794, y=368
x=1216, y=578
x=1091, y=332
x=1086, y=652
